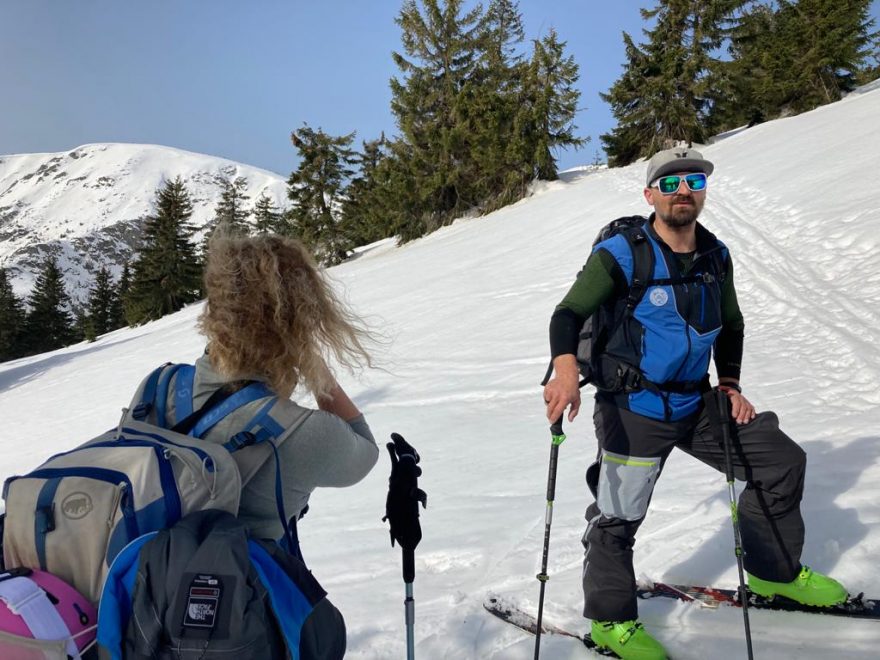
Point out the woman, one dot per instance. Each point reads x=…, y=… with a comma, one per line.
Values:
x=271, y=316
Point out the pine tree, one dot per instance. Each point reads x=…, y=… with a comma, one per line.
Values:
x=315, y=192
x=101, y=303
x=167, y=273
x=231, y=211
x=832, y=43
x=492, y=99
x=745, y=88
x=49, y=324
x=12, y=320
x=662, y=98
x=267, y=216
x=791, y=56
x=120, y=299
x=555, y=98
x=364, y=208
x=441, y=51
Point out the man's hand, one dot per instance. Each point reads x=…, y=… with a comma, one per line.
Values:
x=740, y=407
x=562, y=391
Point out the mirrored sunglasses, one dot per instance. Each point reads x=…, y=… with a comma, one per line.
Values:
x=669, y=184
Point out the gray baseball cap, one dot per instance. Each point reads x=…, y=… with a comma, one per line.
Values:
x=679, y=159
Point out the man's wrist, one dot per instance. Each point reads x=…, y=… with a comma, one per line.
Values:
x=732, y=385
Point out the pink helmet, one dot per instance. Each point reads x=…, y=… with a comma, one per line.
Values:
x=37, y=605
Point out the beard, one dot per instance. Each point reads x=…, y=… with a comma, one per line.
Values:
x=680, y=216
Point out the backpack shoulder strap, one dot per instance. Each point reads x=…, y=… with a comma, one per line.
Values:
x=183, y=391
x=221, y=404
x=643, y=265
x=148, y=395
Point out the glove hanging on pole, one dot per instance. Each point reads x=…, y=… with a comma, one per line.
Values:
x=402, y=504
x=402, y=512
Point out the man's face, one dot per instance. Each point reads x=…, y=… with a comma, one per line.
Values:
x=680, y=208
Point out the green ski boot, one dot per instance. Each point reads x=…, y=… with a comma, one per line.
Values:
x=628, y=639
x=808, y=588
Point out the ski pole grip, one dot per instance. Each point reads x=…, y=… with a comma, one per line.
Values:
x=556, y=427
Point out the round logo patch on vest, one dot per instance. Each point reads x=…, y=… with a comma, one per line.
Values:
x=76, y=506
x=658, y=297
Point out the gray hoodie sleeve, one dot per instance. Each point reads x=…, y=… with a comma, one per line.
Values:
x=333, y=452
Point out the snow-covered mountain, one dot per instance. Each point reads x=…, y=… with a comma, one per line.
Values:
x=465, y=311
x=87, y=206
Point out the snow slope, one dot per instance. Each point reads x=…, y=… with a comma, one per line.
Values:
x=86, y=206
x=465, y=313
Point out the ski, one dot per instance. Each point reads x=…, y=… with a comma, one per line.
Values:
x=855, y=606
x=510, y=612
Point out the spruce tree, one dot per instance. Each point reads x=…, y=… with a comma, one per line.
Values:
x=832, y=41
x=166, y=274
x=554, y=103
x=493, y=97
x=663, y=98
x=440, y=54
x=120, y=299
x=315, y=192
x=12, y=319
x=101, y=303
x=231, y=211
x=49, y=324
x=365, y=205
x=745, y=90
x=267, y=216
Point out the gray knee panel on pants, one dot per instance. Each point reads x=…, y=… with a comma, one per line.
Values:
x=626, y=484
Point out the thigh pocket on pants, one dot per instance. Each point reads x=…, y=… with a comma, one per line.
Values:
x=626, y=484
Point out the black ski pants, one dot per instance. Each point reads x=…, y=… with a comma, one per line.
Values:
x=632, y=452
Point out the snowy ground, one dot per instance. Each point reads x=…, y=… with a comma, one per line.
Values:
x=465, y=313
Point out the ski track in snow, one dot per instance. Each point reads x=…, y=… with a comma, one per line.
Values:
x=464, y=315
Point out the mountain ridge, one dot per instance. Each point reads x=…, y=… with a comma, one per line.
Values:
x=86, y=206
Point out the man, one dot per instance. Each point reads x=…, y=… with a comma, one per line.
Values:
x=651, y=370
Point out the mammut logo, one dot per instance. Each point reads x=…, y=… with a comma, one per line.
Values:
x=76, y=506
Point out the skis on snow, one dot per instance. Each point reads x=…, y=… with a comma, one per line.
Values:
x=855, y=606
x=509, y=611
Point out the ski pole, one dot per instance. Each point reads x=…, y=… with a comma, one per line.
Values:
x=402, y=512
x=557, y=438
x=724, y=413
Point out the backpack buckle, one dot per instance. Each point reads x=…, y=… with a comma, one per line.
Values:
x=141, y=411
x=708, y=278
x=239, y=440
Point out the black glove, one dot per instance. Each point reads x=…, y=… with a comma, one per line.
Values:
x=404, y=494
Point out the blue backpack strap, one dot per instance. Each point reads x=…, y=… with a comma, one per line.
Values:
x=143, y=408
x=161, y=395
x=249, y=394
x=268, y=430
x=183, y=392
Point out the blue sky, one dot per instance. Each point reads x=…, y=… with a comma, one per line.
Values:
x=233, y=79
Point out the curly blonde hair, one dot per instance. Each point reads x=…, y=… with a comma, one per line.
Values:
x=271, y=314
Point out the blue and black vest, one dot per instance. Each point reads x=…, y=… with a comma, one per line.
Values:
x=654, y=357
